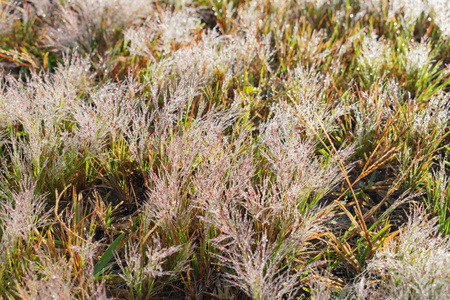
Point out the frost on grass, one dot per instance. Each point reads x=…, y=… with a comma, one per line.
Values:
x=418, y=57
x=260, y=262
x=256, y=266
x=434, y=117
x=410, y=11
x=20, y=215
x=309, y=92
x=230, y=130
x=299, y=172
x=374, y=53
x=166, y=29
x=79, y=22
x=66, y=278
x=441, y=10
x=375, y=108
x=137, y=266
x=414, y=266
x=192, y=150
x=208, y=53
x=7, y=15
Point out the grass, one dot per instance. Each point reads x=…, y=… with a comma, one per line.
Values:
x=219, y=149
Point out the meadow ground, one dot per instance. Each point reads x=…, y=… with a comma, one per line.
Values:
x=225, y=149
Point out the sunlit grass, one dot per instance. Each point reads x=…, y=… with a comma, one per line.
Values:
x=224, y=149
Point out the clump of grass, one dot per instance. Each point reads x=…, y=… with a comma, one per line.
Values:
x=229, y=149
x=413, y=265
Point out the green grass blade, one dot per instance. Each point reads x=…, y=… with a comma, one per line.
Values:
x=100, y=265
